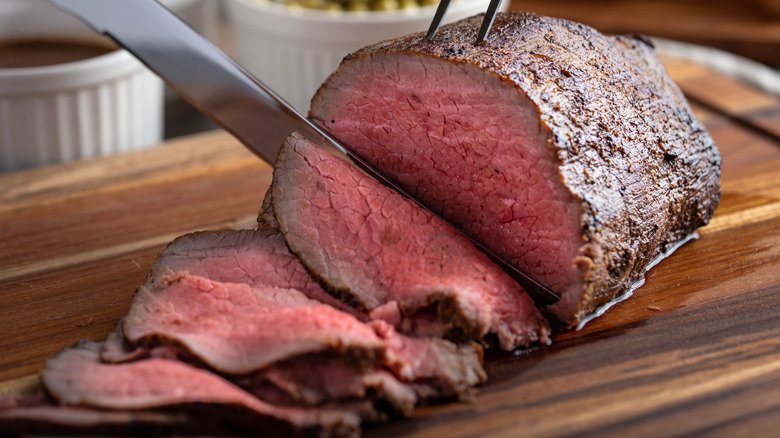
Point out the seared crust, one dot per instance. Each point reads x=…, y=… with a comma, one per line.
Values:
x=630, y=150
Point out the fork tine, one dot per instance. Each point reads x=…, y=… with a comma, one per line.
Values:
x=487, y=22
x=443, y=5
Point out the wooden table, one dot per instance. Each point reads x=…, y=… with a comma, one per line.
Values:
x=696, y=350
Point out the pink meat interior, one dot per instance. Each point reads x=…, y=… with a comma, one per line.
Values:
x=362, y=237
x=469, y=145
x=238, y=329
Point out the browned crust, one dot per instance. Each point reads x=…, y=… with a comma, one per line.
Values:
x=630, y=150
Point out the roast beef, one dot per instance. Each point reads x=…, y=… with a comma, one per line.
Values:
x=318, y=380
x=569, y=153
x=413, y=370
x=287, y=348
x=253, y=257
x=436, y=369
x=116, y=349
x=76, y=378
x=385, y=254
x=236, y=329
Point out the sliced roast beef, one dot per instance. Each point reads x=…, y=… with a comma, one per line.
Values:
x=76, y=378
x=379, y=250
x=116, y=349
x=436, y=369
x=286, y=348
x=412, y=371
x=26, y=415
x=253, y=257
x=318, y=380
x=237, y=329
x=569, y=153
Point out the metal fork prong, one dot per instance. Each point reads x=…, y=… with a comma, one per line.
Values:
x=487, y=22
x=443, y=5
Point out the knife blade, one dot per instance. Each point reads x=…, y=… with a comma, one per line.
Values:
x=227, y=93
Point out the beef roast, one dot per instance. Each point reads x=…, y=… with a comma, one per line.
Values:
x=384, y=253
x=76, y=378
x=318, y=380
x=287, y=348
x=253, y=257
x=237, y=329
x=569, y=153
x=436, y=368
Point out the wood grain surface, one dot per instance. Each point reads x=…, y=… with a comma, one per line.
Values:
x=695, y=351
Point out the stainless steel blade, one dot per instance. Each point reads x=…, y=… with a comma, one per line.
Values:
x=224, y=91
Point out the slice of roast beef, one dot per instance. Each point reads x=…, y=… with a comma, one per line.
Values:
x=318, y=380
x=76, y=378
x=253, y=257
x=116, y=349
x=26, y=415
x=570, y=153
x=412, y=371
x=436, y=368
x=236, y=329
x=380, y=251
x=286, y=348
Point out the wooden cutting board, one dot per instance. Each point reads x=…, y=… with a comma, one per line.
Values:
x=695, y=351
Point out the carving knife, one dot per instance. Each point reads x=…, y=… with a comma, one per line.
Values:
x=224, y=91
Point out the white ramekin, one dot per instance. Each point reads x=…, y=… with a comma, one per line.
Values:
x=293, y=50
x=98, y=106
